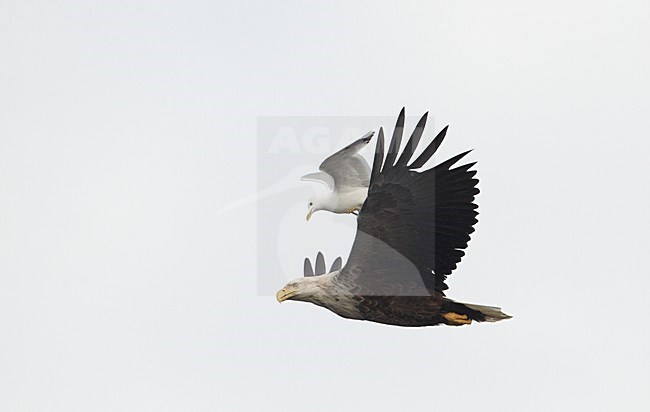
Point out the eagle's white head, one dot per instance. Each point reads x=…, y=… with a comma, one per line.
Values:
x=322, y=291
x=305, y=289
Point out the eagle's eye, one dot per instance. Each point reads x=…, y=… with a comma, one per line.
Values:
x=294, y=285
x=311, y=204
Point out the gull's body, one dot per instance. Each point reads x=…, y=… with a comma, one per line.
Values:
x=347, y=200
x=347, y=175
x=411, y=232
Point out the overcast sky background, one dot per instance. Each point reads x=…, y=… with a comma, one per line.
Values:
x=126, y=126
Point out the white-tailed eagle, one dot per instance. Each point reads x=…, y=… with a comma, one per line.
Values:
x=411, y=232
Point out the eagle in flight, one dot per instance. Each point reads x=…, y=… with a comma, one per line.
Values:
x=411, y=232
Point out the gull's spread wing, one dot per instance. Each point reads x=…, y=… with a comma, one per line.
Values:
x=347, y=168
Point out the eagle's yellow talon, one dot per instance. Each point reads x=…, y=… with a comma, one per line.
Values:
x=457, y=319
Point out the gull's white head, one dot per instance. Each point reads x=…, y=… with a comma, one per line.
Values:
x=319, y=201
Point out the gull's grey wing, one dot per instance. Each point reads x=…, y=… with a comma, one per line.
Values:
x=347, y=167
x=320, y=177
x=321, y=268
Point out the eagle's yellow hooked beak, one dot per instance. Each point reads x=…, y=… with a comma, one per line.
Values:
x=309, y=213
x=284, y=294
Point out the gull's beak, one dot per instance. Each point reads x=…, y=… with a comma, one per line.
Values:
x=311, y=212
x=283, y=294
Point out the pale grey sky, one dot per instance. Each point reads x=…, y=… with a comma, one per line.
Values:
x=126, y=126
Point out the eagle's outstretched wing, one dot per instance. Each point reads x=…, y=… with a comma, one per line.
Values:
x=413, y=225
x=320, y=266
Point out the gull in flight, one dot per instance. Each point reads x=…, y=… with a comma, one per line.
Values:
x=411, y=232
x=347, y=174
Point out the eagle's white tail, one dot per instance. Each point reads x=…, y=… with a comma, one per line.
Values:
x=492, y=313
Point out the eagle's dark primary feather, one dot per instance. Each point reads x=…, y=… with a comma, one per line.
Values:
x=320, y=264
x=307, y=269
x=396, y=141
x=413, y=142
x=321, y=268
x=379, y=157
x=430, y=150
x=337, y=264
